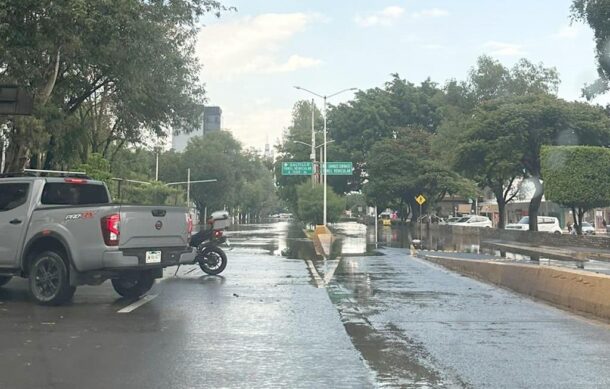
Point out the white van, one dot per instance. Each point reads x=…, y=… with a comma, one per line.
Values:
x=545, y=224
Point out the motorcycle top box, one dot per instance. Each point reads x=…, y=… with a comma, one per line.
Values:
x=219, y=220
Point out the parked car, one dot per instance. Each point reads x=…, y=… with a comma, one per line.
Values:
x=474, y=221
x=453, y=219
x=588, y=229
x=545, y=224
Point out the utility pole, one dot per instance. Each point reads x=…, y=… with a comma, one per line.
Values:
x=313, y=142
x=325, y=98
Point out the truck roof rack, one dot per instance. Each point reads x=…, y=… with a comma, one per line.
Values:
x=44, y=173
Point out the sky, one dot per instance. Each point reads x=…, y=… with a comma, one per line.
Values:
x=253, y=57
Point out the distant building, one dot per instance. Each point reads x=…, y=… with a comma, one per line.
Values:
x=268, y=153
x=210, y=121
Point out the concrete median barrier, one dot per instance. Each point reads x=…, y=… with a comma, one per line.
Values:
x=572, y=289
x=322, y=240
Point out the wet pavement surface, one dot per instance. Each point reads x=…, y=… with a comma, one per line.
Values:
x=281, y=317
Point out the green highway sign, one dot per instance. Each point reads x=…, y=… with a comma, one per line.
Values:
x=297, y=168
x=339, y=169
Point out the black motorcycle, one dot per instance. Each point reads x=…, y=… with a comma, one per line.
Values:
x=211, y=258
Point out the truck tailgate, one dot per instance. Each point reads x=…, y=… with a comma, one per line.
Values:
x=153, y=227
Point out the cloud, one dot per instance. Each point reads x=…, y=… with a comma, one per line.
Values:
x=431, y=13
x=385, y=17
x=568, y=31
x=504, y=49
x=433, y=46
x=390, y=15
x=253, y=128
x=252, y=45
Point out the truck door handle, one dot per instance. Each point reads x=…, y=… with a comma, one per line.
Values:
x=15, y=221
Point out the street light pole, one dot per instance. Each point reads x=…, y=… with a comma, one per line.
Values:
x=325, y=157
x=313, y=142
x=325, y=98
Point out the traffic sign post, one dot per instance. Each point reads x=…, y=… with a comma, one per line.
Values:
x=297, y=168
x=339, y=168
x=421, y=200
x=307, y=168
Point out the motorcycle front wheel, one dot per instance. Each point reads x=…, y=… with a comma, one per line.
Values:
x=212, y=261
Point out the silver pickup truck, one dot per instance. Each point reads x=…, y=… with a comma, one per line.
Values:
x=61, y=232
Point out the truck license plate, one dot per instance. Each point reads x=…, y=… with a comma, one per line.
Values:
x=153, y=257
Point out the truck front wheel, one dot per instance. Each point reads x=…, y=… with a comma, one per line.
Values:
x=49, y=279
x=133, y=285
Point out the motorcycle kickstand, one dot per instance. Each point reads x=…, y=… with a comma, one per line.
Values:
x=177, y=270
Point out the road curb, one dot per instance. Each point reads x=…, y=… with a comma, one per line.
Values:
x=572, y=289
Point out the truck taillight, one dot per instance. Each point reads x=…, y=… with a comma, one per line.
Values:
x=189, y=223
x=111, y=229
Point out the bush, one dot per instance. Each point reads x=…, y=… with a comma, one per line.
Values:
x=310, y=204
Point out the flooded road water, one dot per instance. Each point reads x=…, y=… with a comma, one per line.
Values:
x=279, y=316
x=419, y=326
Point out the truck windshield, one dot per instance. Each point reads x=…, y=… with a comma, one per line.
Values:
x=59, y=193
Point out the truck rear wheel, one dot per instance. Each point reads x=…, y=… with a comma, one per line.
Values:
x=49, y=279
x=4, y=280
x=133, y=285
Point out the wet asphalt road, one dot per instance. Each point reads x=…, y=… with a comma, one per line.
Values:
x=280, y=318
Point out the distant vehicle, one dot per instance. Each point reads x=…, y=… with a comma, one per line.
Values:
x=473, y=221
x=588, y=229
x=386, y=218
x=453, y=219
x=545, y=224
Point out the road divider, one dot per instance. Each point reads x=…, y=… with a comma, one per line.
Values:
x=571, y=289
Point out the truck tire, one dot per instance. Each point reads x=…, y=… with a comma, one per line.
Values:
x=49, y=279
x=134, y=285
x=4, y=280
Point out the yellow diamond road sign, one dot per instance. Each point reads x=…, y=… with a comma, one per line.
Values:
x=420, y=199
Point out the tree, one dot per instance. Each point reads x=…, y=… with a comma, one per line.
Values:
x=215, y=156
x=310, y=205
x=291, y=150
x=377, y=114
x=515, y=129
x=596, y=14
x=110, y=69
x=400, y=169
x=577, y=177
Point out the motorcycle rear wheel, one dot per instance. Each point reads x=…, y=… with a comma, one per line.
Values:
x=212, y=261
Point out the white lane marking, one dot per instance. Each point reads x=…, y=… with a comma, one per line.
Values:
x=138, y=304
x=315, y=274
x=329, y=275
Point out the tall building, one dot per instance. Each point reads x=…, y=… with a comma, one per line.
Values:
x=210, y=121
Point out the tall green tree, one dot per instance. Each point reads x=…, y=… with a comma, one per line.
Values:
x=577, y=177
x=292, y=150
x=123, y=67
x=402, y=168
x=513, y=130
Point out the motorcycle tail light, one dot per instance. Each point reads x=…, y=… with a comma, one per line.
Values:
x=217, y=233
